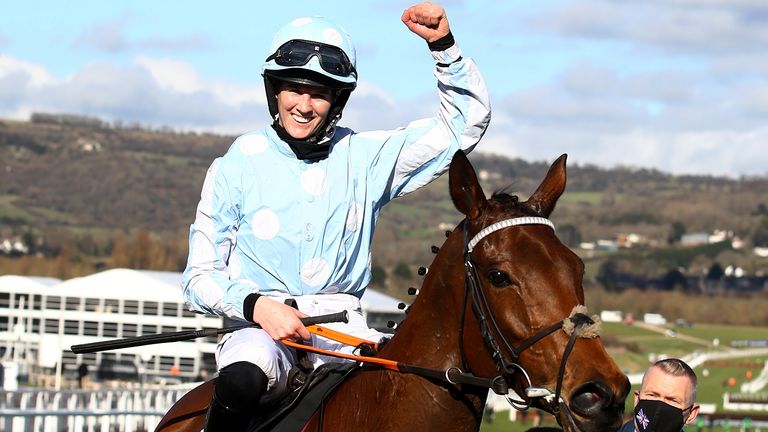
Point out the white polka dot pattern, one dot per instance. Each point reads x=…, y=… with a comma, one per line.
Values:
x=253, y=145
x=313, y=181
x=298, y=22
x=295, y=230
x=354, y=217
x=332, y=36
x=315, y=272
x=265, y=224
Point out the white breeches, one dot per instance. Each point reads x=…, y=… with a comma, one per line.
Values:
x=276, y=360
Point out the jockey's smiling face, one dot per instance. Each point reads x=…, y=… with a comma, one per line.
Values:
x=303, y=108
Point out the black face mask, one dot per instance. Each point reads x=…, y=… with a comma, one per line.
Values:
x=658, y=416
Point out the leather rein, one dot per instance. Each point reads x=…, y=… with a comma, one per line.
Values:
x=490, y=330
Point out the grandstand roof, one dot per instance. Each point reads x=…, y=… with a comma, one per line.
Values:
x=379, y=302
x=146, y=285
x=26, y=283
x=125, y=284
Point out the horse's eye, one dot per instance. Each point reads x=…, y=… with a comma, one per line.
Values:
x=498, y=278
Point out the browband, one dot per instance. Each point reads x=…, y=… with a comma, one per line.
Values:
x=522, y=220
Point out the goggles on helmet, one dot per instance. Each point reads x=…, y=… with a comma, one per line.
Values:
x=299, y=52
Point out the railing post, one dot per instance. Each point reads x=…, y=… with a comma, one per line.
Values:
x=78, y=411
x=8, y=423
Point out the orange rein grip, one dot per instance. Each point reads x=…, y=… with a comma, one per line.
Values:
x=341, y=337
x=385, y=363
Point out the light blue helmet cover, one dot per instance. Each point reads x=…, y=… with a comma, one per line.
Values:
x=316, y=29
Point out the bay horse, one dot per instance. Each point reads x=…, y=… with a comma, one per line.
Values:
x=498, y=304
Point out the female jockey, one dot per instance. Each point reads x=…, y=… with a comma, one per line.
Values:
x=289, y=211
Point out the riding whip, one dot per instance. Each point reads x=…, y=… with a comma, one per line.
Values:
x=191, y=334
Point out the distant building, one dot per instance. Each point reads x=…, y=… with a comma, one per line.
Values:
x=486, y=175
x=607, y=245
x=88, y=145
x=654, y=318
x=702, y=238
x=738, y=243
x=718, y=236
x=611, y=316
x=379, y=309
x=39, y=322
x=630, y=240
x=732, y=271
x=41, y=318
x=694, y=239
x=13, y=247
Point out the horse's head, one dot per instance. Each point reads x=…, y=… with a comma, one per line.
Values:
x=522, y=288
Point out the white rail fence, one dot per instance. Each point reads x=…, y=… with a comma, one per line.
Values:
x=758, y=383
x=697, y=359
x=114, y=410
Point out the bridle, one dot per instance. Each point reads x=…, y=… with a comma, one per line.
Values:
x=575, y=325
x=493, y=336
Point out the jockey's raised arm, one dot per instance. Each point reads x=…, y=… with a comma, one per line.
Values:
x=290, y=210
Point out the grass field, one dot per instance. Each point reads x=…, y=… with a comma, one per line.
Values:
x=725, y=334
x=585, y=197
x=501, y=423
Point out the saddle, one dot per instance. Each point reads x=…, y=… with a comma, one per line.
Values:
x=293, y=412
x=308, y=388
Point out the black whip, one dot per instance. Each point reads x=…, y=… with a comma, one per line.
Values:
x=191, y=334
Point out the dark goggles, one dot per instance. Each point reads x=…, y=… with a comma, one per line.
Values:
x=298, y=53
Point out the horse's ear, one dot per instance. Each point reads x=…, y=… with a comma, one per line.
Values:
x=466, y=193
x=544, y=199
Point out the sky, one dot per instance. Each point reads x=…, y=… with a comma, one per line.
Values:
x=680, y=86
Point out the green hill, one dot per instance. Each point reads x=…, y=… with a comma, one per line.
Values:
x=109, y=195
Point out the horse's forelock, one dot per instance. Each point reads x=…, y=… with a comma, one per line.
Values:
x=509, y=201
x=512, y=203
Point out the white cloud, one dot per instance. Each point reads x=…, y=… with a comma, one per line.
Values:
x=180, y=77
x=146, y=92
x=707, y=119
x=371, y=108
x=716, y=152
x=660, y=84
x=33, y=75
x=172, y=75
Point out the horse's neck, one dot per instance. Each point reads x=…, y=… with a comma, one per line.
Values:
x=429, y=334
x=429, y=337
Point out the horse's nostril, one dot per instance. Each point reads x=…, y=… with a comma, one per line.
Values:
x=589, y=399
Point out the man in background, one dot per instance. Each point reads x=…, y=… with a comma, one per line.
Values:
x=666, y=399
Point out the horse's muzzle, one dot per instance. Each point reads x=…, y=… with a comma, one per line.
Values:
x=593, y=407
